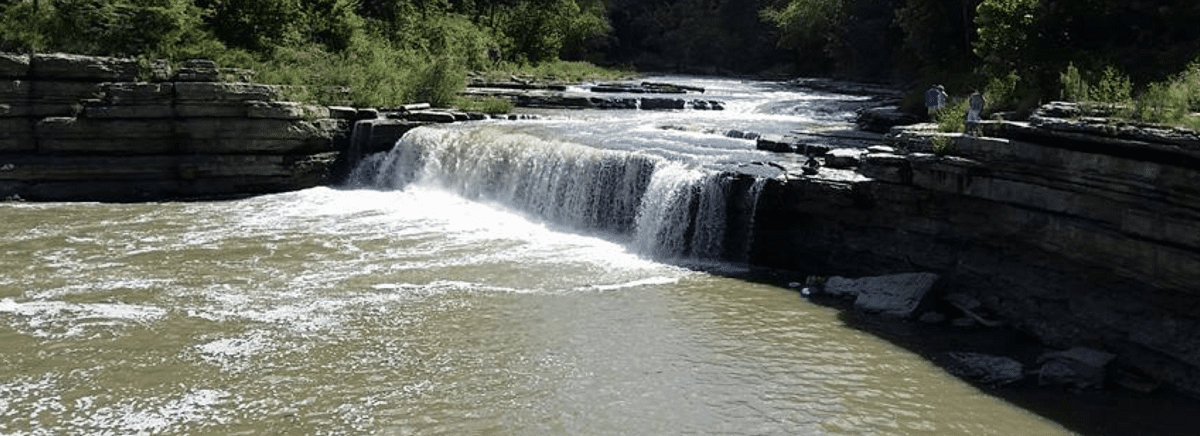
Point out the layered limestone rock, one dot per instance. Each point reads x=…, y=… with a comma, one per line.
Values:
x=95, y=128
x=1080, y=232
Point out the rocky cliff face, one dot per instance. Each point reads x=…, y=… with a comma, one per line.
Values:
x=1078, y=231
x=93, y=128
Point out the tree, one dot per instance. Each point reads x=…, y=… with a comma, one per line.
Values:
x=939, y=36
x=255, y=25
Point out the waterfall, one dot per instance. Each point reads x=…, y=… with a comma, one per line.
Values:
x=660, y=207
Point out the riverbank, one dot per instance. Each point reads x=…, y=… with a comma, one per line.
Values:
x=1079, y=232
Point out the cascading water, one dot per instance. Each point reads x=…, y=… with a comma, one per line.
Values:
x=420, y=306
x=661, y=207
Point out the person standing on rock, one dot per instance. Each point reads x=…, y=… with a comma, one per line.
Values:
x=974, y=109
x=935, y=99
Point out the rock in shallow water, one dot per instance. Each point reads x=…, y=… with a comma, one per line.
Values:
x=894, y=296
x=986, y=369
x=1080, y=367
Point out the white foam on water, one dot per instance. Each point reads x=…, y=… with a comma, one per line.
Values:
x=652, y=281
x=59, y=320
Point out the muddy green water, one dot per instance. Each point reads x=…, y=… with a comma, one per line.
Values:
x=417, y=312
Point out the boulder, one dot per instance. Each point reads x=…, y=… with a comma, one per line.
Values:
x=663, y=103
x=775, y=143
x=886, y=167
x=1079, y=367
x=343, y=113
x=882, y=119
x=366, y=114
x=983, y=368
x=896, y=296
x=431, y=116
x=843, y=158
x=1060, y=109
x=60, y=66
x=372, y=136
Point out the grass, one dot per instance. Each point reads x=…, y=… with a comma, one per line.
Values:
x=557, y=72
x=1173, y=102
x=488, y=105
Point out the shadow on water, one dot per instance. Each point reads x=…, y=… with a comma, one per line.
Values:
x=1111, y=411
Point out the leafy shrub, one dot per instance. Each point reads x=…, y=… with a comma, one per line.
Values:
x=1110, y=93
x=1003, y=93
x=1113, y=88
x=1172, y=101
x=99, y=27
x=561, y=71
x=1074, y=88
x=952, y=118
x=25, y=27
x=942, y=145
x=439, y=82
x=490, y=105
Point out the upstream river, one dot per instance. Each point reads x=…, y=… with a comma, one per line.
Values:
x=434, y=295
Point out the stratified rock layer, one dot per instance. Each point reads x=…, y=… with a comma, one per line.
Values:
x=1081, y=232
x=94, y=128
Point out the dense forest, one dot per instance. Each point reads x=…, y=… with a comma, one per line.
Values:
x=383, y=52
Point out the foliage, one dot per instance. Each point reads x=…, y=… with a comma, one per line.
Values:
x=128, y=28
x=1074, y=87
x=1171, y=102
x=1005, y=29
x=537, y=31
x=939, y=36
x=942, y=145
x=804, y=20
x=699, y=36
x=561, y=71
x=491, y=105
x=1174, y=101
x=1114, y=88
x=439, y=82
x=363, y=52
x=952, y=118
x=1110, y=89
x=1003, y=92
x=255, y=25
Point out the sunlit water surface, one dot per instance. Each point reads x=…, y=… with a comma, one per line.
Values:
x=420, y=310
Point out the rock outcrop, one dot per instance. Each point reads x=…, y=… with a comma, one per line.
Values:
x=1079, y=232
x=896, y=296
x=95, y=128
x=611, y=96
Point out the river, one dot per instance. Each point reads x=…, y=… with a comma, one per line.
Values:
x=437, y=295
